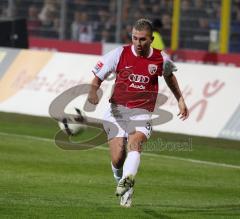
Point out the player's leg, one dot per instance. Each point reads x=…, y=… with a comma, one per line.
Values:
x=134, y=147
x=116, y=139
x=131, y=164
x=142, y=130
x=118, y=155
x=132, y=161
x=139, y=131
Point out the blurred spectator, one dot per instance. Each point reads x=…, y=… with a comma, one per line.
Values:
x=47, y=12
x=185, y=7
x=200, y=12
x=126, y=34
x=33, y=22
x=77, y=5
x=156, y=8
x=142, y=6
x=166, y=21
x=81, y=29
x=106, y=36
x=49, y=27
x=136, y=15
x=203, y=23
x=105, y=22
x=56, y=26
x=236, y=12
x=235, y=27
x=80, y=2
x=186, y=19
x=160, y=7
x=75, y=25
x=137, y=10
x=105, y=19
x=201, y=33
x=157, y=41
x=49, y=19
x=166, y=29
x=112, y=6
x=125, y=10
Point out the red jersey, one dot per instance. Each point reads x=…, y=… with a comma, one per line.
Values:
x=136, y=84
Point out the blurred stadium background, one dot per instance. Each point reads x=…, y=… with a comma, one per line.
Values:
x=188, y=175
x=111, y=20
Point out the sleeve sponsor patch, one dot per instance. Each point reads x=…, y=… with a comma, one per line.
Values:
x=97, y=67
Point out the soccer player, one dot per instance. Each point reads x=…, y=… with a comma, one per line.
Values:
x=128, y=119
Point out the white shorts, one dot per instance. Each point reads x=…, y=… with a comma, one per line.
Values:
x=120, y=121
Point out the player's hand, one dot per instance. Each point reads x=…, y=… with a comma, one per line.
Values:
x=183, y=110
x=93, y=98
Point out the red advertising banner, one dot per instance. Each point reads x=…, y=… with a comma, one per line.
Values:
x=206, y=57
x=65, y=46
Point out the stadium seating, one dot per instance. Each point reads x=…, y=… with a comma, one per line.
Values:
x=89, y=21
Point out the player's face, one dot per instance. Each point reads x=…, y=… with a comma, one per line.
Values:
x=141, y=41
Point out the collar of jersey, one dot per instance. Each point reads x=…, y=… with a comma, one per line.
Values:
x=134, y=53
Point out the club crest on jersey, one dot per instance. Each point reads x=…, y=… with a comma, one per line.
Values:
x=152, y=69
x=98, y=67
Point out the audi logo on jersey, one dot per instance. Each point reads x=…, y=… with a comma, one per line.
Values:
x=138, y=78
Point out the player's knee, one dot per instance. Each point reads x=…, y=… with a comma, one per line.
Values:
x=118, y=163
x=136, y=141
x=134, y=146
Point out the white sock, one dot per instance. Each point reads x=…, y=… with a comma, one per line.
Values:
x=131, y=163
x=117, y=173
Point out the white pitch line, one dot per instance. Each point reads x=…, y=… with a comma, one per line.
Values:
x=144, y=153
x=27, y=137
x=196, y=161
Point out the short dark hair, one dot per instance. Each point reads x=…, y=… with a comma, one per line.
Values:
x=143, y=24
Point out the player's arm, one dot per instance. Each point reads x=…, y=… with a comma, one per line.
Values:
x=168, y=69
x=172, y=83
x=102, y=69
x=92, y=95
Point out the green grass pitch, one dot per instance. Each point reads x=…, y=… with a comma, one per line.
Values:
x=40, y=180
